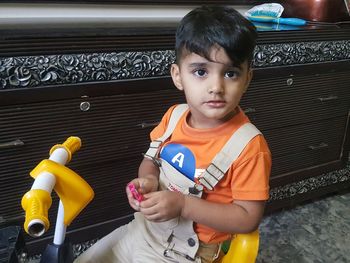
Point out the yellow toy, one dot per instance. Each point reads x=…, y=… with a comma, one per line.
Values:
x=74, y=194
x=243, y=248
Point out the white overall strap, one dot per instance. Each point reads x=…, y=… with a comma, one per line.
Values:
x=178, y=111
x=228, y=154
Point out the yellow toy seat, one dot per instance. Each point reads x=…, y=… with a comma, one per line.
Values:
x=243, y=248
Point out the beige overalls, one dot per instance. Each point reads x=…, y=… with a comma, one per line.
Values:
x=144, y=241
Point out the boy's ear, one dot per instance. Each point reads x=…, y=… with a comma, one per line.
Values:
x=175, y=75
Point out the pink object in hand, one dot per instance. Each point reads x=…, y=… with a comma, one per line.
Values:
x=135, y=193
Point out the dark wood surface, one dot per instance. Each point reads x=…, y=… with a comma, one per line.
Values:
x=39, y=41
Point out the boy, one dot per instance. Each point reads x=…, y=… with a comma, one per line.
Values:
x=206, y=177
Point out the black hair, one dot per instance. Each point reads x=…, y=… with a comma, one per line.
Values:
x=208, y=26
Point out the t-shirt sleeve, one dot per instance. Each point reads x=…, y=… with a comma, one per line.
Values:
x=252, y=172
x=160, y=129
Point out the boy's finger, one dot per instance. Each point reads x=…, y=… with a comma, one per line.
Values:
x=142, y=185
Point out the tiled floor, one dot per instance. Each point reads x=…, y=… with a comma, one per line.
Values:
x=315, y=232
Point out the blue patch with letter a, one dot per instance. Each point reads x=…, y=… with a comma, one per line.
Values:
x=181, y=158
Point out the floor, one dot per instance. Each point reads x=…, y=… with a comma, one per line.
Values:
x=314, y=232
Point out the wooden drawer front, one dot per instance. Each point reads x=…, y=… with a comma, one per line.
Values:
x=271, y=103
x=114, y=129
x=306, y=145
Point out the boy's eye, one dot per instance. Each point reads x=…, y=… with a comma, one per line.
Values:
x=230, y=74
x=200, y=72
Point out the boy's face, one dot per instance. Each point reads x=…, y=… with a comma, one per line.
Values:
x=213, y=88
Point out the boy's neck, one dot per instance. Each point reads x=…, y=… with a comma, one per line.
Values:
x=198, y=124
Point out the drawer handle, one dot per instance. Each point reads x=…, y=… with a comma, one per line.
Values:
x=320, y=146
x=249, y=110
x=16, y=143
x=328, y=98
x=146, y=125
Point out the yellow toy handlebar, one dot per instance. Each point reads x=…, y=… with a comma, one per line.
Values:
x=50, y=174
x=36, y=203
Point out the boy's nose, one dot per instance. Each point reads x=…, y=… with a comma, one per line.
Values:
x=216, y=86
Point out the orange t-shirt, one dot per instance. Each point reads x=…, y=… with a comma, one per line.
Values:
x=248, y=176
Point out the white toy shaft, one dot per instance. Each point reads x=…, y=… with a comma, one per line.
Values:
x=59, y=155
x=60, y=228
x=46, y=181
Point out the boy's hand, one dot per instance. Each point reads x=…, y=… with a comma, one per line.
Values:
x=143, y=185
x=162, y=205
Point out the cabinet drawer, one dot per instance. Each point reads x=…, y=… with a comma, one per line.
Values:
x=272, y=103
x=301, y=146
x=114, y=131
x=113, y=127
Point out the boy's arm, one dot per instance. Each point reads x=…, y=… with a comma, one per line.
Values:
x=239, y=217
x=243, y=215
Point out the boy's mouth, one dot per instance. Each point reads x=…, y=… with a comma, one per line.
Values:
x=216, y=103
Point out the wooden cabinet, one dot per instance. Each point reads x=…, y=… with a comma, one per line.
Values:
x=112, y=95
x=304, y=118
